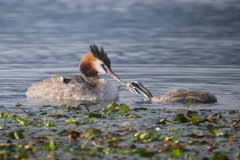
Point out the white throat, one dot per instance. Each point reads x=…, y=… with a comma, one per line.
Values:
x=99, y=67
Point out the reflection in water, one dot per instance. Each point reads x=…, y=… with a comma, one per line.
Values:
x=66, y=101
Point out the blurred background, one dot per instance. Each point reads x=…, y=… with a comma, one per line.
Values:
x=163, y=44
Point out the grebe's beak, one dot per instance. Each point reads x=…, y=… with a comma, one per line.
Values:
x=108, y=70
x=113, y=75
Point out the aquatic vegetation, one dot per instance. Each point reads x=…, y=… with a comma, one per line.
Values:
x=116, y=131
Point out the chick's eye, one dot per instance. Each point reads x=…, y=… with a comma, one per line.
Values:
x=135, y=84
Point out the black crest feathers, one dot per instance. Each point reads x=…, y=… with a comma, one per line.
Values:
x=98, y=52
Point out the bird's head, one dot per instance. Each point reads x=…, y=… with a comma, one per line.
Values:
x=96, y=61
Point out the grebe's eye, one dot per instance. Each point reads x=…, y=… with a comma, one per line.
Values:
x=103, y=66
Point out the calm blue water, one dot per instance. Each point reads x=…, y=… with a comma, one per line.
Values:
x=163, y=44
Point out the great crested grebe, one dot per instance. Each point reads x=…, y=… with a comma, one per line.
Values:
x=176, y=96
x=88, y=86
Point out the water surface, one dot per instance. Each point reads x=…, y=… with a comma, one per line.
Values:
x=163, y=44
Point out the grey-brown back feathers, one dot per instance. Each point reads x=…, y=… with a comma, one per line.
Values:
x=176, y=96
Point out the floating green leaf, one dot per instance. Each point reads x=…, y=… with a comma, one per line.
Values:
x=124, y=151
x=175, y=153
x=143, y=136
x=108, y=113
x=92, y=131
x=152, y=132
x=7, y=115
x=92, y=120
x=19, y=133
x=229, y=135
x=75, y=134
x=70, y=107
x=214, y=130
x=112, y=106
x=147, y=136
x=177, y=135
x=197, y=119
x=191, y=113
x=107, y=150
x=138, y=134
x=91, y=115
x=23, y=155
x=50, y=146
x=181, y=118
x=110, y=143
x=133, y=115
x=50, y=124
x=218, y=132
x=104, y=110
x=219, y=156
x=193, y=141
x=143, y=153
x=72, y=121
x=2, y=153
x=113, y=141
x=20, y=120
x=69, y=121
x=138, y=109
x=172, y=130
x=123, y=109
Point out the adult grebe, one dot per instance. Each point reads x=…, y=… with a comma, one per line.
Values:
x=89, y=86
x=176, y=96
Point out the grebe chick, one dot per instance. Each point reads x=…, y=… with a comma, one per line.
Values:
x=176, y=96
x=88, y=86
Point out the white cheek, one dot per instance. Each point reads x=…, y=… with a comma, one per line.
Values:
x=99, y=67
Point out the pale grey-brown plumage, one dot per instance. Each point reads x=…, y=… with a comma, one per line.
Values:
x=87, y=86
x=176, y=96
